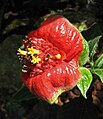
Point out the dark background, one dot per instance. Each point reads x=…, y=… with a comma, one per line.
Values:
x=17, y=18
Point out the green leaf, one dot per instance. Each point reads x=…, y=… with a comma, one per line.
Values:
x=85, y=81
x=93, y=44
x=23, y=94
x=99, y=62
x=92, y=32
x=98, y=67
x=98, y=72
x=81, y=26
x=85, y=53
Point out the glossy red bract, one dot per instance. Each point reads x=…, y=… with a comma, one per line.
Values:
x=60, y=46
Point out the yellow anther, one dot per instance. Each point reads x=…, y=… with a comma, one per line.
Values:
x=22, y=52
x=33, y=51
x=35, y=59
x=58, y=56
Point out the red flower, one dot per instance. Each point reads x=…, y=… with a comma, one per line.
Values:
x=51, y=58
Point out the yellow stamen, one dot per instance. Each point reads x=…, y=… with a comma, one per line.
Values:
x=22, y=52
x=24, y=70
x=58, y=56
x=33, y=51
x=35, y=59
x=30, y=54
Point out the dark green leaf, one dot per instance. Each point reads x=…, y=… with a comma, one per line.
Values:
x=98, y=67
x=99, y=62
x=98, y=72
x=85, y=53
x=23, y=94
x=93, y=44
x=10, y=67
x=85, y=80
x=92, y=32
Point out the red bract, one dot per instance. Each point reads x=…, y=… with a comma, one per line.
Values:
x=51, y=58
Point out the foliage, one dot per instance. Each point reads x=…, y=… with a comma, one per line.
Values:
x=85, y=81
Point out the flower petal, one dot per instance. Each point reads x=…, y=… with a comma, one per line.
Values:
x=60, y=46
